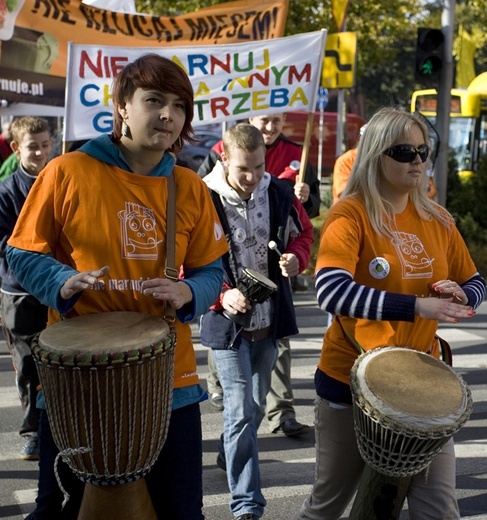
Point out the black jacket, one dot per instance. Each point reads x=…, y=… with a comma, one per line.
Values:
x=217, y=331
x=13, y=192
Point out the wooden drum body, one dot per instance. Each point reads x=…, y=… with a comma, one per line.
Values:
x=108, y=382
x=407, y=405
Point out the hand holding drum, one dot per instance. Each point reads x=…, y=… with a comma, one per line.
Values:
x=256, y=288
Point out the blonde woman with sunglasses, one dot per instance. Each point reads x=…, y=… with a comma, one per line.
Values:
x=391, y=265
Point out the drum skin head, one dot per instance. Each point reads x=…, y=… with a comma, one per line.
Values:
x=103, y=332
x=260, y=278
x=414, y=383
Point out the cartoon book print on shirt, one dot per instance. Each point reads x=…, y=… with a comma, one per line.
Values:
x=138, y=232
x=414, y=259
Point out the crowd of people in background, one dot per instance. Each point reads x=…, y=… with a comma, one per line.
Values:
x=22, y=315
x=247, y=194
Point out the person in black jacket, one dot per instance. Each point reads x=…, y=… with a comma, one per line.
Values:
x=254, y=208
x=282, y=159
x=22, y=315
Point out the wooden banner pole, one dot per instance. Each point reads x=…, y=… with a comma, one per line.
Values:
x=306, y=144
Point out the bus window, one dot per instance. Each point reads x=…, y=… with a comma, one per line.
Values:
x=483, y=136
x=461, y=141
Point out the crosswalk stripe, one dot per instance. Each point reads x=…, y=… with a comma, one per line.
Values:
x=271, y=472
x=25, y=499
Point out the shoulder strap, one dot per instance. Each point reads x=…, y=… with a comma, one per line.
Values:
x=232, y=259
x=170, y=270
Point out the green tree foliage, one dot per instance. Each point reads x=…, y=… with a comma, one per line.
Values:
x=466, y=202
x=472, y=14
x=386, y=31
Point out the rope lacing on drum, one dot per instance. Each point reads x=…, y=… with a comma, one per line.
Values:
x=67, y=452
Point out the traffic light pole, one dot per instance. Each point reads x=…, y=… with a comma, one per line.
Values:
x=444, y=100
x=341, y=113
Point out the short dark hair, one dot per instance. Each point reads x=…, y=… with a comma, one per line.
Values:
x=152, y=71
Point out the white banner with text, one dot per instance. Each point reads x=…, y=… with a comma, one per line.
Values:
x=230, y=82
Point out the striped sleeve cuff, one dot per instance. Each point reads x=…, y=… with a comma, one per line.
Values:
x=474, y=288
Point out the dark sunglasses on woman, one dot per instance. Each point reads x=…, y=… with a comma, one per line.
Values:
x=405, y=153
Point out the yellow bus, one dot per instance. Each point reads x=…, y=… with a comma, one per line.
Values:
x=468, y=121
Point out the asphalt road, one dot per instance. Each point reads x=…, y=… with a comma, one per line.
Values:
x=287, y=465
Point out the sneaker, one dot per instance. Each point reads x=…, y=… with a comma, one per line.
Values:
x=216, y=400
x=247, y=516
x=30, y=451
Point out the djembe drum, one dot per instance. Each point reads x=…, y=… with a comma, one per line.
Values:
x=256, y=288
x=108, y=381
x=407, y=405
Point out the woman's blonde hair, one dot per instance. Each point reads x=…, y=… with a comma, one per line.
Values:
x=387, y=127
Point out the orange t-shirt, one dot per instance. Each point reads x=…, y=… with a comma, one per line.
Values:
x=341, y=172
x=88, y=214
x=421, y=252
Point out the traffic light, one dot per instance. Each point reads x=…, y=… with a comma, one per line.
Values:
x=429, y=56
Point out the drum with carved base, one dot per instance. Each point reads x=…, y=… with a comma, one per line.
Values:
x=108, y=382
x=407, y=405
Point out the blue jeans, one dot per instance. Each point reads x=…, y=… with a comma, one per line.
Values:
x=175, y=481
x=245, y=376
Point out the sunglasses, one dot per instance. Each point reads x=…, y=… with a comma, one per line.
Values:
x=406, y=153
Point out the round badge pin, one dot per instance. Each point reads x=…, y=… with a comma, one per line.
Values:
x=295, y=165
x=239, y=235
x=379, y=268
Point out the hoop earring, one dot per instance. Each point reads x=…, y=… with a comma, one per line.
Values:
x=179, y=142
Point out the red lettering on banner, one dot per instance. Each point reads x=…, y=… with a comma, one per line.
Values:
x=305, y=73
x=104, y=67
x=219, y=105
x=214, y=61
x=262, y=78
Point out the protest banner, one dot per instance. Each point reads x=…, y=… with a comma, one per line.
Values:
x=34, y=37
x=230, y=82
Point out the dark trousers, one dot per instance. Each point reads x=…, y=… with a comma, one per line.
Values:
x=22, y=317
x=175, y=481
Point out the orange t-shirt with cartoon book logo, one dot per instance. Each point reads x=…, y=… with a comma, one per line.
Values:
x=420, y=252
x=88, y=214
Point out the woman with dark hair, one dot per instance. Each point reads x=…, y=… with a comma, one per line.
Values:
x=391, y=265
x=72, y=247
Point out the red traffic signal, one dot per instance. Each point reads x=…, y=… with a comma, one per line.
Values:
x=429, y=55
